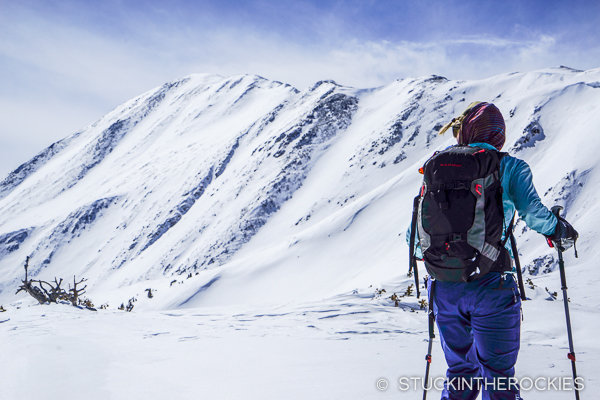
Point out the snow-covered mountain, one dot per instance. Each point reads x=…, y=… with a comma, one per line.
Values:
x=213, y=190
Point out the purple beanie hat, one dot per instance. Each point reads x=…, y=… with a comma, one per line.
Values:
x=483, y=124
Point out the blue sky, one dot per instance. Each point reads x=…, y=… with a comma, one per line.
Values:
x=64, y=64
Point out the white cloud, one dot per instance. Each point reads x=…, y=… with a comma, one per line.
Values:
x=63, y=77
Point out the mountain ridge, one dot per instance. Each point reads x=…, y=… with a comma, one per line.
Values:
x=208, y=171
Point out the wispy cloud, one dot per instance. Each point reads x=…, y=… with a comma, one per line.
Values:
x=61, y=72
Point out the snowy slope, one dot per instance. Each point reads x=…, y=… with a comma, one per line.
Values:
x=241, y=199
x=241, y=177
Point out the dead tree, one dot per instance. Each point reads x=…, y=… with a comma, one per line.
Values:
x=52, y=293
x=55, y=293
x=74, y=293
x=33, y=291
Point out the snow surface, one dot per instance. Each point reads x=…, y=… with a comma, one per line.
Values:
x=266, y=221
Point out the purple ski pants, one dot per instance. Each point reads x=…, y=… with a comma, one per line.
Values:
x=480, y=325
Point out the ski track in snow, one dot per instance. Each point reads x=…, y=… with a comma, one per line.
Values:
x=266, y=221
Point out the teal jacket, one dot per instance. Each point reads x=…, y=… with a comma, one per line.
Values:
x=519, y=194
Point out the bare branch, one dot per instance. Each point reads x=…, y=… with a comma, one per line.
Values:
x=26, y=266
x=33, y=291
x=47, y=292
x=74, y=293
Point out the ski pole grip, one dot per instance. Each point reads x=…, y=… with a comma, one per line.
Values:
x=556, y=210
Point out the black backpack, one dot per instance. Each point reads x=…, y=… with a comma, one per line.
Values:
x=459, y=215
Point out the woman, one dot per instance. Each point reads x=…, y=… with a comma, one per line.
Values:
x=479, y=320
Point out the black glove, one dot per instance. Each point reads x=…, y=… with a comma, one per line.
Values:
x=564, y=236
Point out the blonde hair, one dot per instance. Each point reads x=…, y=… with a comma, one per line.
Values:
x=456, y=123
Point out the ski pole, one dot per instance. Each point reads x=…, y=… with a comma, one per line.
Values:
x=431, y=337
x=412, y=266
x=563, y=281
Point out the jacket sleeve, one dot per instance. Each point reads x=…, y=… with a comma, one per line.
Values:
x=525, y=198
